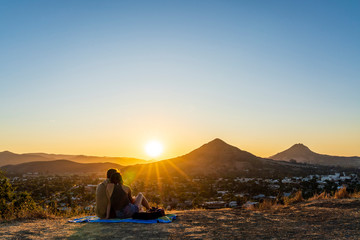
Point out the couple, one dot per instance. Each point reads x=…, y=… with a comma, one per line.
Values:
x=114, y=199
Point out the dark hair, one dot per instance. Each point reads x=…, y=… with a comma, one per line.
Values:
x=116, y=178
x=110, y=172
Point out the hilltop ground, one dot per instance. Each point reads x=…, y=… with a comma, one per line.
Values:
x=320, y=219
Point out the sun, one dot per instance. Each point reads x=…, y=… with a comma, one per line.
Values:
x=154, y=148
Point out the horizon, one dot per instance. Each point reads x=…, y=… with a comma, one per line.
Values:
x=106, y=78
x=161, y=159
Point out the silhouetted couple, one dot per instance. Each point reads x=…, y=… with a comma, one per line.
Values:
x=114, y=199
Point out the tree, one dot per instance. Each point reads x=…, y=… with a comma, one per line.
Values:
x=6, y=196
x=6, y=189
x=13, y=205
x=24, y=201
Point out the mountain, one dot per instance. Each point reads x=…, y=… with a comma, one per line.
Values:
x=7, y=158
x=59, y=167
x=217, y=158
x=125, y=161
x=303, y=154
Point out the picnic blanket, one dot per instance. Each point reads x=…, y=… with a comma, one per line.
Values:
x=168, y=218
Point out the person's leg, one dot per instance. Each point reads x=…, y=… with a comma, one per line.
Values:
x=138, y=200
x=141, y=200
x=145, y=203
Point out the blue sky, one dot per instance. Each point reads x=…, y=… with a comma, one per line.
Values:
x=104, y=77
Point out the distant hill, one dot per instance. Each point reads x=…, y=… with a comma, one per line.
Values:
x=217, y=158
x=303, y=154
x=59, y=167
x=7, y=158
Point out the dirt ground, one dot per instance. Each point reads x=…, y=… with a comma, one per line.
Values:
x=321, y=219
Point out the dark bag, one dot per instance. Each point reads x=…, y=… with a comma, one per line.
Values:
x=152, y=213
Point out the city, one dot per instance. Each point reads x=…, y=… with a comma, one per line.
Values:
x=76, y=194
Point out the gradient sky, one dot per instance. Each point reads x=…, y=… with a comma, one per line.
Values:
x=104, y=77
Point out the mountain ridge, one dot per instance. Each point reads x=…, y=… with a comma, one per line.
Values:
x=215, y=158
x=61, y=166
x=10, y=158
x=218, y=159
x=301, y=153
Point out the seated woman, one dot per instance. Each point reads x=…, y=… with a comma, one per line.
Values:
x=121, y=204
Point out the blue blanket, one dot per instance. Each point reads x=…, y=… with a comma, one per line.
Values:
x=166, y=219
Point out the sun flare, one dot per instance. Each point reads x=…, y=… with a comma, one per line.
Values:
x=154, y=148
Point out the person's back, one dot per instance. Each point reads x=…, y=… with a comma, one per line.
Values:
x=101, y=197
x=121, y=204
x=119, y=200
x=101, y=200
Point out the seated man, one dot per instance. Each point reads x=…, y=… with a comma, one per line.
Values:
x=101, y=197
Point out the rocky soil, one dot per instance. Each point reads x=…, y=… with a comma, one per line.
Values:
x=321, y=219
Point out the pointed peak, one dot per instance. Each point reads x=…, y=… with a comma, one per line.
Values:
x=216, y=144
x=217, y=141
x=7, y=152
x=296, y=152
x=300, y=146
x=219, y=149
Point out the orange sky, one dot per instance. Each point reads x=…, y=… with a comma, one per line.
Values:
x=135, y=147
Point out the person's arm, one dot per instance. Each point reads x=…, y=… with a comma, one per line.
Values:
x=108, y=194
x=132, y=200
x=108, y=210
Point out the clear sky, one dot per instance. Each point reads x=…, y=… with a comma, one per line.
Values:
x=104, y=77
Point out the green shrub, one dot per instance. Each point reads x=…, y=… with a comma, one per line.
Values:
x=15, y=205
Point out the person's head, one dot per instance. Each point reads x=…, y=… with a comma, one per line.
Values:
x=111, y=171
x=116, y=178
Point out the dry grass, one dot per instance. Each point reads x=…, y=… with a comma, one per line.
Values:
x=341, y=193
x=24, y=213
x=295, y=199
x=36, y=213
x=322, y=195
x=355, y=195
x=251, y=207
x=268, y=204
x=327, y=219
